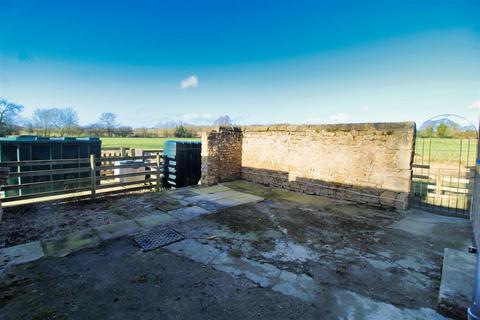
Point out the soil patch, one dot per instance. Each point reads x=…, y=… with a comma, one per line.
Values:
x=41, y=221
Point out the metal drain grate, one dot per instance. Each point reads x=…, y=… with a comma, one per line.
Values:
x=157, y=238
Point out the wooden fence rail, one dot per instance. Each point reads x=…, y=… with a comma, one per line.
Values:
x=91, y=177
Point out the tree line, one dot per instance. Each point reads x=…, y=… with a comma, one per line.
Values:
x=446, y=131
x=64, y=122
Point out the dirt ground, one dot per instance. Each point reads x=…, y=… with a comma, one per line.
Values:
x=371, y=251
x=41, y=221
x=118, y=281
x=291, y=256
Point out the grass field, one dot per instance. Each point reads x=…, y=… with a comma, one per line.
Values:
x=140, y=143
x=442, y=150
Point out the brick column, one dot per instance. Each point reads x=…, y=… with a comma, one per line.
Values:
x=221, y=155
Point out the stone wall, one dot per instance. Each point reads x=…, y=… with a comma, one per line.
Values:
x=369, y=163
x=221, y=155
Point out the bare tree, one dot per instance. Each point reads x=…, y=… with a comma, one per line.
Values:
x=8, y=112
x=43, y=120
x=108, y=120
x=94, y=130
x=124, y=131
x=65, y=120
x=223, y=121
x=29, y=127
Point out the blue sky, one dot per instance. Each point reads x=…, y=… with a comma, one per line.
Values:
x=257, y=61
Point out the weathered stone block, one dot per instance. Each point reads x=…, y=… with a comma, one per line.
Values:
x=21, y=253
x=62, y=246
x=388, y=198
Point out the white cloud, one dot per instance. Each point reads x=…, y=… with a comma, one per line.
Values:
x=197, y=117
x=190, y=82
x=475, y=105
x=339, y=117
x=364, y=108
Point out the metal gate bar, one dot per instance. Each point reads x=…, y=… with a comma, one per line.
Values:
x=443, y=176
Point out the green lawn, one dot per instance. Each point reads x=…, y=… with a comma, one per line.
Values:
x=446, y=150
x=140, y=143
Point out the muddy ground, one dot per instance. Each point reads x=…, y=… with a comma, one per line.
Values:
x=41, y=221
x=291, y=256
x=118, y=281
x=385, y=255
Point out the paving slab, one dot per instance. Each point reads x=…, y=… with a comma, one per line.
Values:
x=434, y=227
x=211, y=189
x=229, y=194
x=299, y=286
x=153, y=220
x=62, y=246
x=456, y=286
x=201, y=197
x=228, y=202
x=188, y=213
x=167, y=202
x=351, y=305
x=224, y=198
x=211, y=206
x=182, y=193
x=263, y=274
x=194, y=250
x=214, y=196
x=21, y=253
x=246, y=198
x=118, y=229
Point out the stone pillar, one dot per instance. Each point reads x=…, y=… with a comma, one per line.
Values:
x=221, y=155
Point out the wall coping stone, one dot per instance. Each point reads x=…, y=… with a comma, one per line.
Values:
x=379, y=126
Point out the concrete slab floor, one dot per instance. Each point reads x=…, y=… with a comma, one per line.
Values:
x=458, y=274
x=292, y=256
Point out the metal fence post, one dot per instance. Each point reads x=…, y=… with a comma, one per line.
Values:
x=157, y=188
x=93, y=175
x=4, y=172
